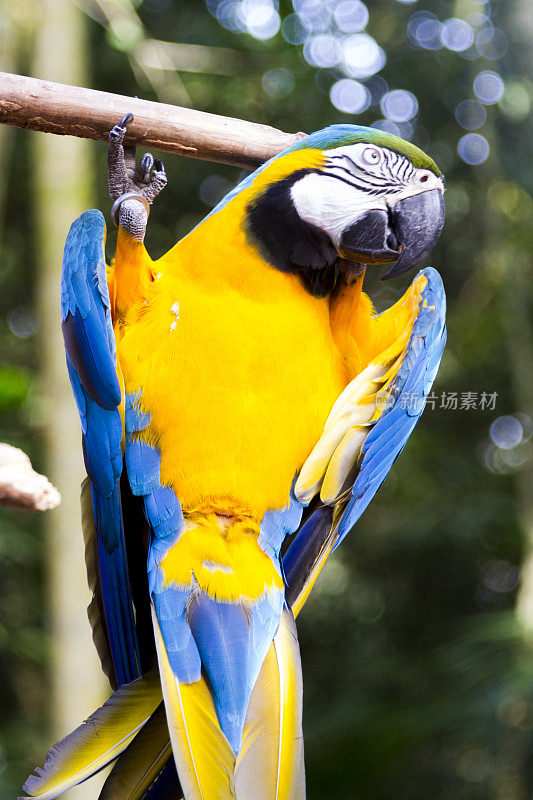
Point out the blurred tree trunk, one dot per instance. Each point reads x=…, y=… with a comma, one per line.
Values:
x=63, y=189
x=9, y=52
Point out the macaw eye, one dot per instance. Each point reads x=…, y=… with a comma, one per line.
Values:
x=371, y=155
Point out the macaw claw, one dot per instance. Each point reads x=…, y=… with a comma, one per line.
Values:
x=145, y=165
x=126, y=119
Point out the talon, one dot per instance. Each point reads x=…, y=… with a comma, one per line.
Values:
x=146, y=161
x=159, y=166
x=125, y=121
x=145, y=165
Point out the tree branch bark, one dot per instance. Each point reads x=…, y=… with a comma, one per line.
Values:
x=71, y=110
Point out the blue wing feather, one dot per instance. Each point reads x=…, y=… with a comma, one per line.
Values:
x=85, y=310
x=305, y=548
x=91, y=363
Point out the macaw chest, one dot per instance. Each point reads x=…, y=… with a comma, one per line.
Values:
x=238, y=390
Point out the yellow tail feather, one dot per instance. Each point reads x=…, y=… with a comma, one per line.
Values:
x=270, y=762
x=98, y=740
x=204, y=758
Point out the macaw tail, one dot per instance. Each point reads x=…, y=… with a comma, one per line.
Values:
x=133, y=725
x=269, y=764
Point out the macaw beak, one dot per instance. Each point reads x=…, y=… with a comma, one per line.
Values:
x=405, y=234
x=417, y=224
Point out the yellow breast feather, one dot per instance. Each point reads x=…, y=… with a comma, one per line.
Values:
x=236, y=363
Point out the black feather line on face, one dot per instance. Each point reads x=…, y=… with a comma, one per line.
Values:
x=290, y=244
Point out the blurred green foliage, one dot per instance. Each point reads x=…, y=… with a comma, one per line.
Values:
x=417, y=672
x=14, y=385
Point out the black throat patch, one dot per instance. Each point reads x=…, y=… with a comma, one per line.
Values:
x=289, y=243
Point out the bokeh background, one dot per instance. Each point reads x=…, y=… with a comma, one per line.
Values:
x=418, y=667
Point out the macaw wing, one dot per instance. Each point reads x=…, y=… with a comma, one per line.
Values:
x=91, y=363
x=367, y=429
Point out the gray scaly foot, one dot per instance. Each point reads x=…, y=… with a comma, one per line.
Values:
x=133, y=187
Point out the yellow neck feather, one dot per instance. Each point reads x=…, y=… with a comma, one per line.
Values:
x=217, y=251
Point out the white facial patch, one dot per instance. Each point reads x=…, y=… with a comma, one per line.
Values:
x=355, y=179
x=330, y=204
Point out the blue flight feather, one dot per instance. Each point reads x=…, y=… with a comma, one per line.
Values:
x=305, y=547
x=91, y=364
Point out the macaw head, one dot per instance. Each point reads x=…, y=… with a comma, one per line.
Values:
x=355, y=194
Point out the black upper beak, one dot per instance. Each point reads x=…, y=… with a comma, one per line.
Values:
x=417, y=223
x=406, y=234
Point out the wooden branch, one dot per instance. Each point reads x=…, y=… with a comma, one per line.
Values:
x=22, y=487
x=70, y=110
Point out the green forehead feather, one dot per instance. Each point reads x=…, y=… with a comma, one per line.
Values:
x=343, y=135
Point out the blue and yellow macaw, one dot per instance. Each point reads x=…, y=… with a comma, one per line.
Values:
x=240, y=404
